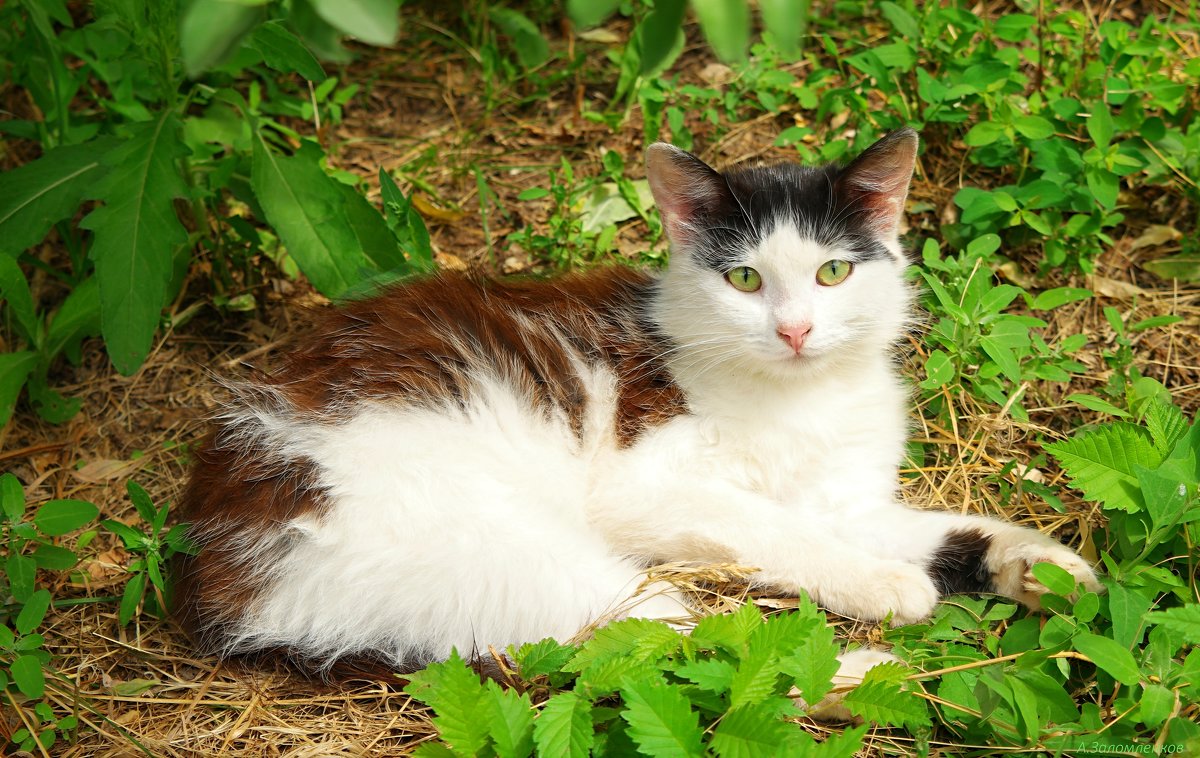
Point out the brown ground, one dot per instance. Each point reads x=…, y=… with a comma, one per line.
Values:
x=140, y=686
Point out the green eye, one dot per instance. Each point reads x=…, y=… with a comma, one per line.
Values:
x=834, y=272
x=745, y=279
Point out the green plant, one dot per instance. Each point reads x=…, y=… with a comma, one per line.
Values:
x=153, y=546
x=29, y=546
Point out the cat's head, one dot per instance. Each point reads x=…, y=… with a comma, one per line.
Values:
x=784, y=269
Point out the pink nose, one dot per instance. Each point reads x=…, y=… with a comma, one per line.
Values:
x=794, y=335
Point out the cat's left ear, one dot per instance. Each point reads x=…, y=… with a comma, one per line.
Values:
x=877, y=180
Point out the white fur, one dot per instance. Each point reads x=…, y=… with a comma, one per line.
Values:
x=497, y=525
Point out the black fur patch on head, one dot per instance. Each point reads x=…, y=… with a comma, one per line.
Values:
x=959, y=565
x=763, y=197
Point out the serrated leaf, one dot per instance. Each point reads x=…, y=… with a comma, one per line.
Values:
x=375, y=22
x=541, y=658
x=15, y=368
x=564, y=727
x=136, y=235
x=729, y=632
x=33, y=612
x=611, y=674
x=510, y=721
x=1101, y=464
x=881, y=699
x=285, y=52
x=58, y=517
x=211, y=30
x=307, y=209
x=1183, y=621
x=661, y=720
x=27, y=673
x=708, y=673
x=633, y=639
x=35, y=196
x=1109, y=656
x=749, y=732
x=844, y=745
x=755, y=677
x=1165, y=496
x=813, y=664
x=456, y=695
x=1166, y=424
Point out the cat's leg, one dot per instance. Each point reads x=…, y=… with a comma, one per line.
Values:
x=968, y=553
x=712, y=521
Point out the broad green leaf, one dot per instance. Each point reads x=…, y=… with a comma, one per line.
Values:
x=136, y=235
x=12, y=496
x=371, y=230
x=726, y=26
x=141, y=502
x=59, y=517
x=998, y=298
x=78, y=317
x=135, y=588
x=901, y=20
x=661, y=720
x=375, y=22
x=1165, y=497
x=750, y=731
x=984, y=133
x=586, y=13
x=54, y=557
x=14, y=290
x=407, y=225
x=1108, y=655
x=1093, y=403
x=130, y=536
x=527, y=40
x=35, y=196
x=510, y=720
x=661, y=36
x=1004, y=357
x=1054, y=577
x=285, y=52
x=541, y=658
x=787, y=21
x=307, y=209
x=1053, y=298
x=211, y=30
x=1127, y=609
x=1034, y=127
x=456, y=695
x=1101, y=464
x=564, y=727
x=27, y=674
x=1100, y=125
x=881, y=699
x=34, y=611
x=1156, y=705
x=1103, y=185
x=21, y=571
x=14, y=370
x=1184, y=621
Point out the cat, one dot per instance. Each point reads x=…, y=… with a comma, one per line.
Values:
x=459, y=463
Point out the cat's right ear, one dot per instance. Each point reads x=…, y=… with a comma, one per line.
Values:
x=686, y=190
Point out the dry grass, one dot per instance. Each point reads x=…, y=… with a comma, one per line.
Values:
x=140, y=689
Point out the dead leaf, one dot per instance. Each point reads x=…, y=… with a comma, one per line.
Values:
x=1114, y=288
x=1013, y=273
x=133, y=686
x=716, y=74
x=1185, y=267
x=599, y=34
x=430, y=209
x=450, y=261
x=1157, y=234
x=105, y=470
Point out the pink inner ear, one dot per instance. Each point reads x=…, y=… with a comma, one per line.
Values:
x=684, y=187
x=878, y=180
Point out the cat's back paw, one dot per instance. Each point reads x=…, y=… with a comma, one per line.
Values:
x=853, y=667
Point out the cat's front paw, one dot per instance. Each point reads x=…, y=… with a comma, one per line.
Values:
x=1014, y=560
x=888, y=587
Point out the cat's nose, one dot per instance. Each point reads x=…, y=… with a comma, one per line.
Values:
x=794, y=335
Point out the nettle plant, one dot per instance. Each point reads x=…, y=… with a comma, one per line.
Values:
x=178, y=157
x=31, y=545
x=975, y=345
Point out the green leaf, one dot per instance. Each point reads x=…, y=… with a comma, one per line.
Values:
x=14, y=289
x=661, y=720
x=708, y=673
x=1101, y=464
x=34, y=611
x=27, y=674
x=14, y=370
x=751, y=731
x=564, y=727
x=12, y=496
x=1184, y=267
x=307, y=209
x=407, y=225
x=1100, y=125
x=211, y=30
x=285, y=52
x=531, y=47
x=1093, y=403
x=59, y=517
x=726, y=26
x=1108, y=655
x=141, y=502
x=632, y=639
x=1127, y=609
x=134, y=687
x=1166, y=424
x=984, y=133
x=730, y=631
x=661, y=36
x=54, y=557
x=1156, y=705
x=1165, y=496
x=35, y=196
x=78, y=317
x=510, y=721
x=21, y=571
x=1183, y=621
x=587, y=13
x=456, y=695
x=1034, y=127
x=901, y=20
x=374, y=237
x=130, y=536
x=1054, y=577
x=755, y=678
x=135, y=588
x=844, y=745
x=881, y=699
x=136, y=236
x=1103, y=185
x=813, y=664
x=787, y=21
x=542, y=658
x=1053, y=298
x=376, y=22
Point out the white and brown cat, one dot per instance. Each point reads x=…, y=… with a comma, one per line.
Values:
x=461, y=462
